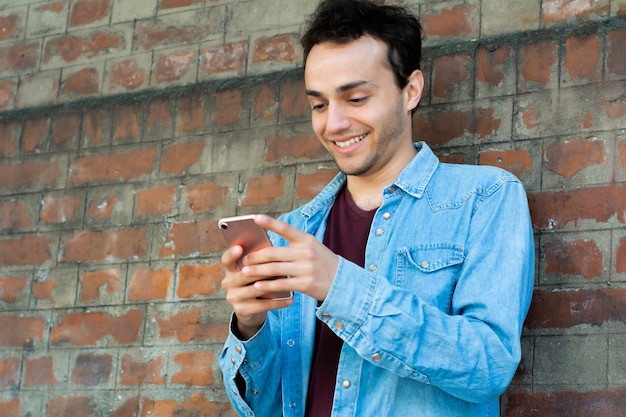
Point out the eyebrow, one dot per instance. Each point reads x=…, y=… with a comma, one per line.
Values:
x=341, y=89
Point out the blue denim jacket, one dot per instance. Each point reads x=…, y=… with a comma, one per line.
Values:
x=431, y=326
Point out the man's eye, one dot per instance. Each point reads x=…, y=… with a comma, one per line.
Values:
x=358, y=100
x=318, y=107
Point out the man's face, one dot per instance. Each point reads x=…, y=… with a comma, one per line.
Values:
x=359, y=113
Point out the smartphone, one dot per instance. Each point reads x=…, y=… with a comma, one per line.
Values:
x=243, y=231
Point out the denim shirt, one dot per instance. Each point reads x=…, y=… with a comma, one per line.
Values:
x=431, y=326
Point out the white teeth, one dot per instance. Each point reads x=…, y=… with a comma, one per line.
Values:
x=348, y=143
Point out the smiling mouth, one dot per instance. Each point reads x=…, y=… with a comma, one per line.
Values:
x=347, y=143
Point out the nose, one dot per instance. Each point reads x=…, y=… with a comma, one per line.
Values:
x=336, y=119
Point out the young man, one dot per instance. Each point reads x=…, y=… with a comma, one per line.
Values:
x=412, y=278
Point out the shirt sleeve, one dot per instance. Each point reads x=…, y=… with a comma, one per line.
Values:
x=470, y=351
x=250, y=374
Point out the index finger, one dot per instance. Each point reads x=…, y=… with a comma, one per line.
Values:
x=281, y=228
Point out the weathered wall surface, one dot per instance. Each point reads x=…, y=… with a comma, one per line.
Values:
x=128, y=127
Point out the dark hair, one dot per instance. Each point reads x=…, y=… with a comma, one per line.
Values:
x=343, y=21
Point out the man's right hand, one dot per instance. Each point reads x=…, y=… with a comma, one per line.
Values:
x=241, y=294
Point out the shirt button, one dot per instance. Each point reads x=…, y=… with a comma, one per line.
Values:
x=325, y=316
x=379, y=232
x=292, y=404
x=373, y=267
x=238, y=350
x=392, y=190
x=387, y=215
x=291, y=342
x=345, y=383
x=255, y=392
x=425, y=264
x=376, y=357
x=339, y=325
x=232, y=360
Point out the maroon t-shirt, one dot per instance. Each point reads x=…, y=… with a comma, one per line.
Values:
x=346, y=234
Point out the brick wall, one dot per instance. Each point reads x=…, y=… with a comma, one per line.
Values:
x=128, y=127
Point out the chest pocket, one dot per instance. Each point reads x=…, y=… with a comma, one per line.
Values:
x=430, y=271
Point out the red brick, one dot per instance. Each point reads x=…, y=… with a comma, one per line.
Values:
x=179, y=157
x=11, y=287
x=206, y=197
x=228, y=107
x=191, y=113
x=14, y=215
x=174, y=66
x=159, y=117
x=195, y=280
x=263, y=190
x=27, y=250
x=85, y=329
x=97, y=282
x=280, y=48
x=566, y=309
x=91, y=370
x=81, y=83
x=9, y=371
x=21, y=331
x=12, y=407
x=117, y=166
x=301, y=146
x=574, y=257
x=88, y=245
x=554, y=210
x=126, y=74
x=518, y=162
x=39, y=371
x=456, y=21
x=60, y=210
x=309, y=185
x=102, y=208
x=195, y=369
x=126, y=122
x=561, y=10
x=19, y=57
x=265, y=103
x=192, y=238
x=616, y=60
x=85, y=12
x=8, y=92
x=71, y=406
x=538, y=61
x=449, y=70
x=139, y=373
x=42, y=290
x=615, y=108
x=147, y=284
x=187, y=326
x=620, y=257
x=490, y=67
x=11, y=27
x=156, y=201
x=64, y=127
x=582, y=56
x=27, y=174
x=9, y=138
x=196, y=405
x=173, y=4
x=35, y=131
x=294, y=102
x=130, y=408
x=94, y=125
x=572, y=156
x=442, y=127
x=565, y=403
x=149, y=37
x=70, y=48
x=224, y=58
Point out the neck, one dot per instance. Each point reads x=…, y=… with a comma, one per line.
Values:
x=367, y=190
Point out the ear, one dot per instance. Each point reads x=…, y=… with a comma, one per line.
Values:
x=413, y=90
